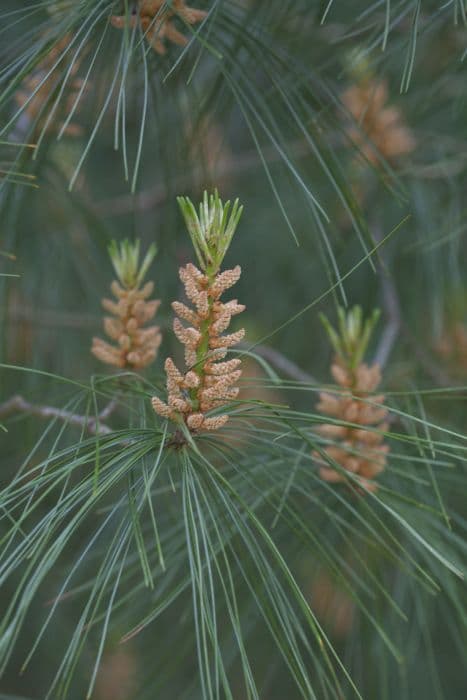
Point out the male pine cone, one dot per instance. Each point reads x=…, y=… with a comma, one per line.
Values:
x=359, y=450
x=207, y=383
x=156, y=19
x=37, y=92
x=380, y=126
x=135, y=347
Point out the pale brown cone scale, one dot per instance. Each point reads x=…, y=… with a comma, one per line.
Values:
x=157, y=22
x=380, y=128
x=207, y=382
x=134, y=346
x=358, y=450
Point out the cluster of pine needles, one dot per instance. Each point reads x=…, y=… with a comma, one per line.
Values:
x=202, y=518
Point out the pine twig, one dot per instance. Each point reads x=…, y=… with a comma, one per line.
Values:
x=391, y=306
x=17, y=404
x=393, y=315
x=281, y=363
x=395, y=325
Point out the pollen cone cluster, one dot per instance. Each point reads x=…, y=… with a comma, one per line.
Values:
x=359, y=450
x=156, y=20
x=37, y=91
x=134, y=347
x=208, y=383
x=379, y=124
x=452, y=347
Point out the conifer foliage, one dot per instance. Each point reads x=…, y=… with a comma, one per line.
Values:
x=240, y=474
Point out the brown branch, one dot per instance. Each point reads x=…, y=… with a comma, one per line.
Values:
x=393, y=319
x=56, y=319
x=281, y=362
x=391, y=306
x=51, y=317
x=17, y=404
x=395, y=324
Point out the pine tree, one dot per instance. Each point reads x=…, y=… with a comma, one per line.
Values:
x=255, y=491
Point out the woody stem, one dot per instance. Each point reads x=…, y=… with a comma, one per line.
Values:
x=203, y=347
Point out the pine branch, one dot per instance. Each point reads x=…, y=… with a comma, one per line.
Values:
x=393, y=315
x=17, y=404
x=391, y=304
x=282, y=363
x=395, y=324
